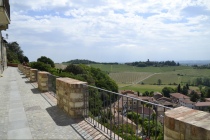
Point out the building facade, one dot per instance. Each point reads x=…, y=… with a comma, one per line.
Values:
x=4, y=22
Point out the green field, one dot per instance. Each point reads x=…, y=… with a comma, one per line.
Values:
x=143, y=88
x=179, y=76
x=129, y=77
x=169, y=75
x=126, y=68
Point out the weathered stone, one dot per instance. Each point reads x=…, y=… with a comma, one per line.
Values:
x=189, y=124
x=43, y=81
x=72, y=93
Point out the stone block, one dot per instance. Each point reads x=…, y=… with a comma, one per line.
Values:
x=43, y=81
x=72, y=93
x=189, y=124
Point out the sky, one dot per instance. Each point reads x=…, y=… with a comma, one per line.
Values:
x=111, y=30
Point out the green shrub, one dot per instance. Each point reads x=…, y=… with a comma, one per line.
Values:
x=40, y=66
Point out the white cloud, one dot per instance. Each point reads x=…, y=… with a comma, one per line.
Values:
x=104, y=30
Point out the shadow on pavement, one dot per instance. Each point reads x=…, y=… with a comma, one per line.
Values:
x=35, y=91
x=62, y=119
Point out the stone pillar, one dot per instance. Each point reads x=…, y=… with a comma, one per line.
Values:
x=19, y=67
x=43, y=81
x=33, y=75
x=71, y=95
x=24, y=70
x=185, y=123
x=28, y=72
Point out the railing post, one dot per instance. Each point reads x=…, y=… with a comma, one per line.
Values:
x=24, y=70
x=43, y=81
x=33, y=75
x=70, y=93
x=28, y=72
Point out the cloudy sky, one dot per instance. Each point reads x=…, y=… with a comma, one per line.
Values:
x=112, y=30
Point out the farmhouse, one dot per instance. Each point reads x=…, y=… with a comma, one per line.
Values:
x=177, y=97
x=187, y=103
x=204, y=106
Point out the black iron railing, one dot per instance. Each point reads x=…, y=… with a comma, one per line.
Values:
x=6, y=5
x=52, y=83
x=124, y=117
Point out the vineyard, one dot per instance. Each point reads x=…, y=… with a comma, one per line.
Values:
x=169, y=75
x=129, y=77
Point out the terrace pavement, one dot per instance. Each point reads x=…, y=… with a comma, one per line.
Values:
x=26, y=113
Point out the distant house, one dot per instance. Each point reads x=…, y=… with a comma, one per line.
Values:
x=157, y=95
x=177, y=97
x=204, y=106
x=207, y=99
x=187, y=103
x=145, y=111
x=125, y=92
x=129, y=103
x=190, y=92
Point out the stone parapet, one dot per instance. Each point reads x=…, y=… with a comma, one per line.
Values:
x=33, y=75
x=24, y=70
x=28, y=72
x=71, y=96
x=185, y=123
x=43, y=81
x=20, y=67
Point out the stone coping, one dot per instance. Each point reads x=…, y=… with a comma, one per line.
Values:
x=186, y=123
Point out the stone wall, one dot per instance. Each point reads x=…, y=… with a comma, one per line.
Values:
x=71, y=96
x=28, y=72
x=33, y=75
x=43, y=81
x=185, y=123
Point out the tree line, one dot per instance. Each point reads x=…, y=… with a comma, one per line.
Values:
x=153, y=63
x=84, y=61
x=15, y=54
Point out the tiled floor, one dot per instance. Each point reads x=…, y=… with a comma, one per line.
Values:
x=25, y=113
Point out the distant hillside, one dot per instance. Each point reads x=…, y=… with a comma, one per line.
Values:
x=153, y=63
x=195, y=62
x=84, y=61
x=80, y=61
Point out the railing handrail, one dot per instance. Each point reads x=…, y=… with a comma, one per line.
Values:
x=128, y=96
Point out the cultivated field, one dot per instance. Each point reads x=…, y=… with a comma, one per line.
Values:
x=130, y=77
x=179, y=76
x=143, y=88
x=126, y=68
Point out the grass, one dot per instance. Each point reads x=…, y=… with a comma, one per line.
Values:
x=124, y=74
x=143, y=88
x=179, y=76
x=129, y=77
x=126, y=68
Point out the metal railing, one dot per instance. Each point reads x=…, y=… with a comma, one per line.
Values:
x=6, y=5
x=52, y=83
x=124, y=117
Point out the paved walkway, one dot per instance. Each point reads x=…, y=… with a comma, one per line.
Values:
x=25, y=113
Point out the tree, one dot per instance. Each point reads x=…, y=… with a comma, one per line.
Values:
x=187, y=86
x=75, y=69
x=159, y=81
x=184, y=90
x=207, y=93
x=179, y=89
x=194, y=96
x=14, y=53
x=25, y=59
x=40, y=66
x=167, y=90
x=46, y=60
